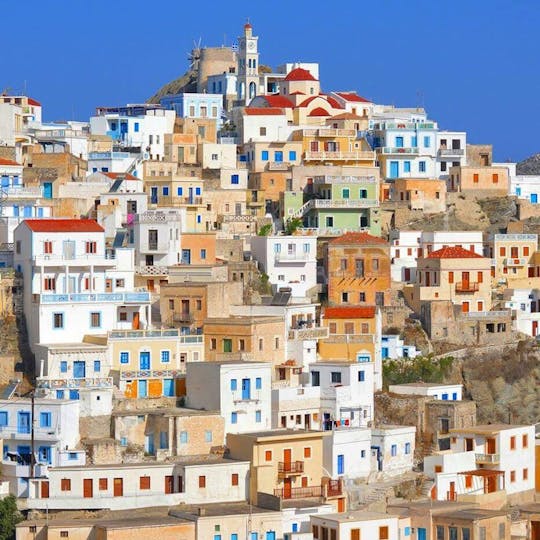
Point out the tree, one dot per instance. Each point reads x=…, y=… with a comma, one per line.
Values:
x=292, y=225
x=265, y=230
x=419, y=369
x=9, y=517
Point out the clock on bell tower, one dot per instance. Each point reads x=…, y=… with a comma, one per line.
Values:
x=248, y=65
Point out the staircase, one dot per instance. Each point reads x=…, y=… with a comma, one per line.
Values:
x=303, y=209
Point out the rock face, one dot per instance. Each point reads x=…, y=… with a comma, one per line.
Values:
x=531, y=165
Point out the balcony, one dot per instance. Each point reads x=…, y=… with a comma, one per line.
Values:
x=167, y=333
x=290, y=468
x=450, y=152
x=309, y=333
x=466, y=287
x=334, y=488
x=328, y=132
x=278, y=165
x=183, y=317
x=361, y=155
x=87, y=382
x=520, y=261
x=299, y=492
x=151, y=270
x=68, y=259
x=151, y=374
x=76, y=298
x=155, y=247
x=296, y=257
x=343, y=179
x=246, y=397
x=341, y=203
x=400, y=150
x=23, y=192
x=487, y=459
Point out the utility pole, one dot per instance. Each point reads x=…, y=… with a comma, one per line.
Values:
x=32, y=423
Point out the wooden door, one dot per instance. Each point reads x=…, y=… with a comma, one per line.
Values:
x=490, y=443
x=452, y=493
x=287, y=488
x=287, y=456
x=465, y=307
x=88, y=488
x=45, y=489
x=169, y=484
x=341, y=507
x=535, y=328
x=118, y=489
x=108, y=285
x=535, y=530
x=136, y=321
x=491, y=484
x=465, y=280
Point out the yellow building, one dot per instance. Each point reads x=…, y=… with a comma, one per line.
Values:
x=354, y=333
x=453, y=274
x=328, y=145
x=152, y=363
x=513, y=257
x=287, y=464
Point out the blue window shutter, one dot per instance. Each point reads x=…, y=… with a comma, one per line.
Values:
x=258, y=383
x=407, y=166
x=234, y=417
x=235, y=179
x=234, y=385
x=179, y=191
x=264, y=155
x=97, y=365
x=3, y=418
x=197, y=191
x=59, y=394
x=292, y=155
x=63, y=366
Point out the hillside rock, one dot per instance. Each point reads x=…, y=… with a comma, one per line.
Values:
x=531, y=165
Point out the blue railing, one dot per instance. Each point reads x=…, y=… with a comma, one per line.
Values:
x=97, y=297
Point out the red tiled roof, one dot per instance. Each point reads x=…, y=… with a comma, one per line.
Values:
x=115, y=175
x=347, y=116
x=453, y=252
x=349, y=312
x=319, y=111
x=297, y=94
x=351, y=96
x=9, y=162
x=33, y=102
x=335, y=104
x=263, y=111
x=275, y=100
x=358, y=238
x=300, y=74
x=64, y=225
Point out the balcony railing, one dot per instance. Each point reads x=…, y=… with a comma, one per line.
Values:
x=345, y=179
x=286, y=468
x=341, y=203
x=183, y=317
x=334, y=488
x=399, y=150
x=487, y=458
x=252, y=396
x=30, y=192
x=451, y=151
x=339, y=156
x=87, y=382
x=299, y=256
x=466, y=287
x=76, y=298
x=299, y=492
x=151, y=374
x=316, y=332
x=520, y=261
x=149, y=334
x=160, y=247
x=278, y=165
x=146, y=270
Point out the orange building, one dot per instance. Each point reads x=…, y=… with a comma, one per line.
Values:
x=198, y=248
x=358, y=270
x=427, y=194
x=479, y=178
x=353, y=334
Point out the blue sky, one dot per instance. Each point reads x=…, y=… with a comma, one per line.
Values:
x=474, y=64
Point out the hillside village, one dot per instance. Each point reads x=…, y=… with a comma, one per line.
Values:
x=255, y=307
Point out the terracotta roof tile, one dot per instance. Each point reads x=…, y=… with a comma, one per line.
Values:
x=275, y=100
x=263, y=111
x=453, y=252
x=64, y=225
x=300, y=74
x=349, y=312
x=359, y=238
x=319, y=111
x=9, y=162
x=115, y=175
x=352, y=96
x=34, y=102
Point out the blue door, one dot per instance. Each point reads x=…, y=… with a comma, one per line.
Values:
x=246, y=388
x=74, y=394
x=24, y=451
x=23, y=422
x=341, y=464
x=394, y=169
x=47, y=190
x=385, y=352
x=27, y=211
x=79, y=369
x=149, y=443
x=534, y=198
x=186, y=256
x=153, y=195
x=143, y=388
x=270, y=535
x=144, y=360
x=421, y=533
x=518, y=191
x=168, y=387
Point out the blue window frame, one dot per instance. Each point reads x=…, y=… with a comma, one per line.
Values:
x=168, y=387
x=123, y=441
x=235, y=179
x=179, y=191
x=217, y=536
x=277, y=248
x=254, y=536
x=361, y=376
x=97, y=366
x=454, y=396
x=44, y=454
x=278, y=156
x=393, y=450
x=183, y=437
x=414, y=141
x=163, y=440
x=3, y=418
x=234, y=385
x=407, y=447
x=72, y=456
x=208, y=436
x=124, y=357
x=73, y=394
x=234, y=536
x=234, y=418
x=165, y=190
x=292, y=155
x=23, y=422
x=427, y=141
x=45, y=419
x=199, y=218
x=60, y=394
x=5, y=180
x=197, y=191
x=445, y=397
x=422, y=166
x=295, y=527
x=165, y=357
x=341, y=464
x=399, y=142
x=407, y=531
x=258, y=416
x=136, y=127
x=63, y=366
x=264, y=155
x=406, y=166
x=363, y=358
x=203, y=253
x=258, y=383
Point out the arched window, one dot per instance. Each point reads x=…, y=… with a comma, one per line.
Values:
x=252, y=89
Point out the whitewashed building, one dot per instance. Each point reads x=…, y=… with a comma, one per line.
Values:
x=444, y=392
x=393, y=449
x=240, y=390
x=347, y=452
x=393, y=347
x=525, y=306
x=289, y=261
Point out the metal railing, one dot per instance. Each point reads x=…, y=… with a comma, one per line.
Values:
x=151, y=374
x=487, y=458
x=290, y=467
x=317, y=156
x=299, y=492
x=138, y=334
x=399, y=150
x=517, y=261
x=451, y=152
x=292, y=257
x=87, y=382
x=315, y=332
x=467, y=287
x=182, y=316
x=133, y=297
